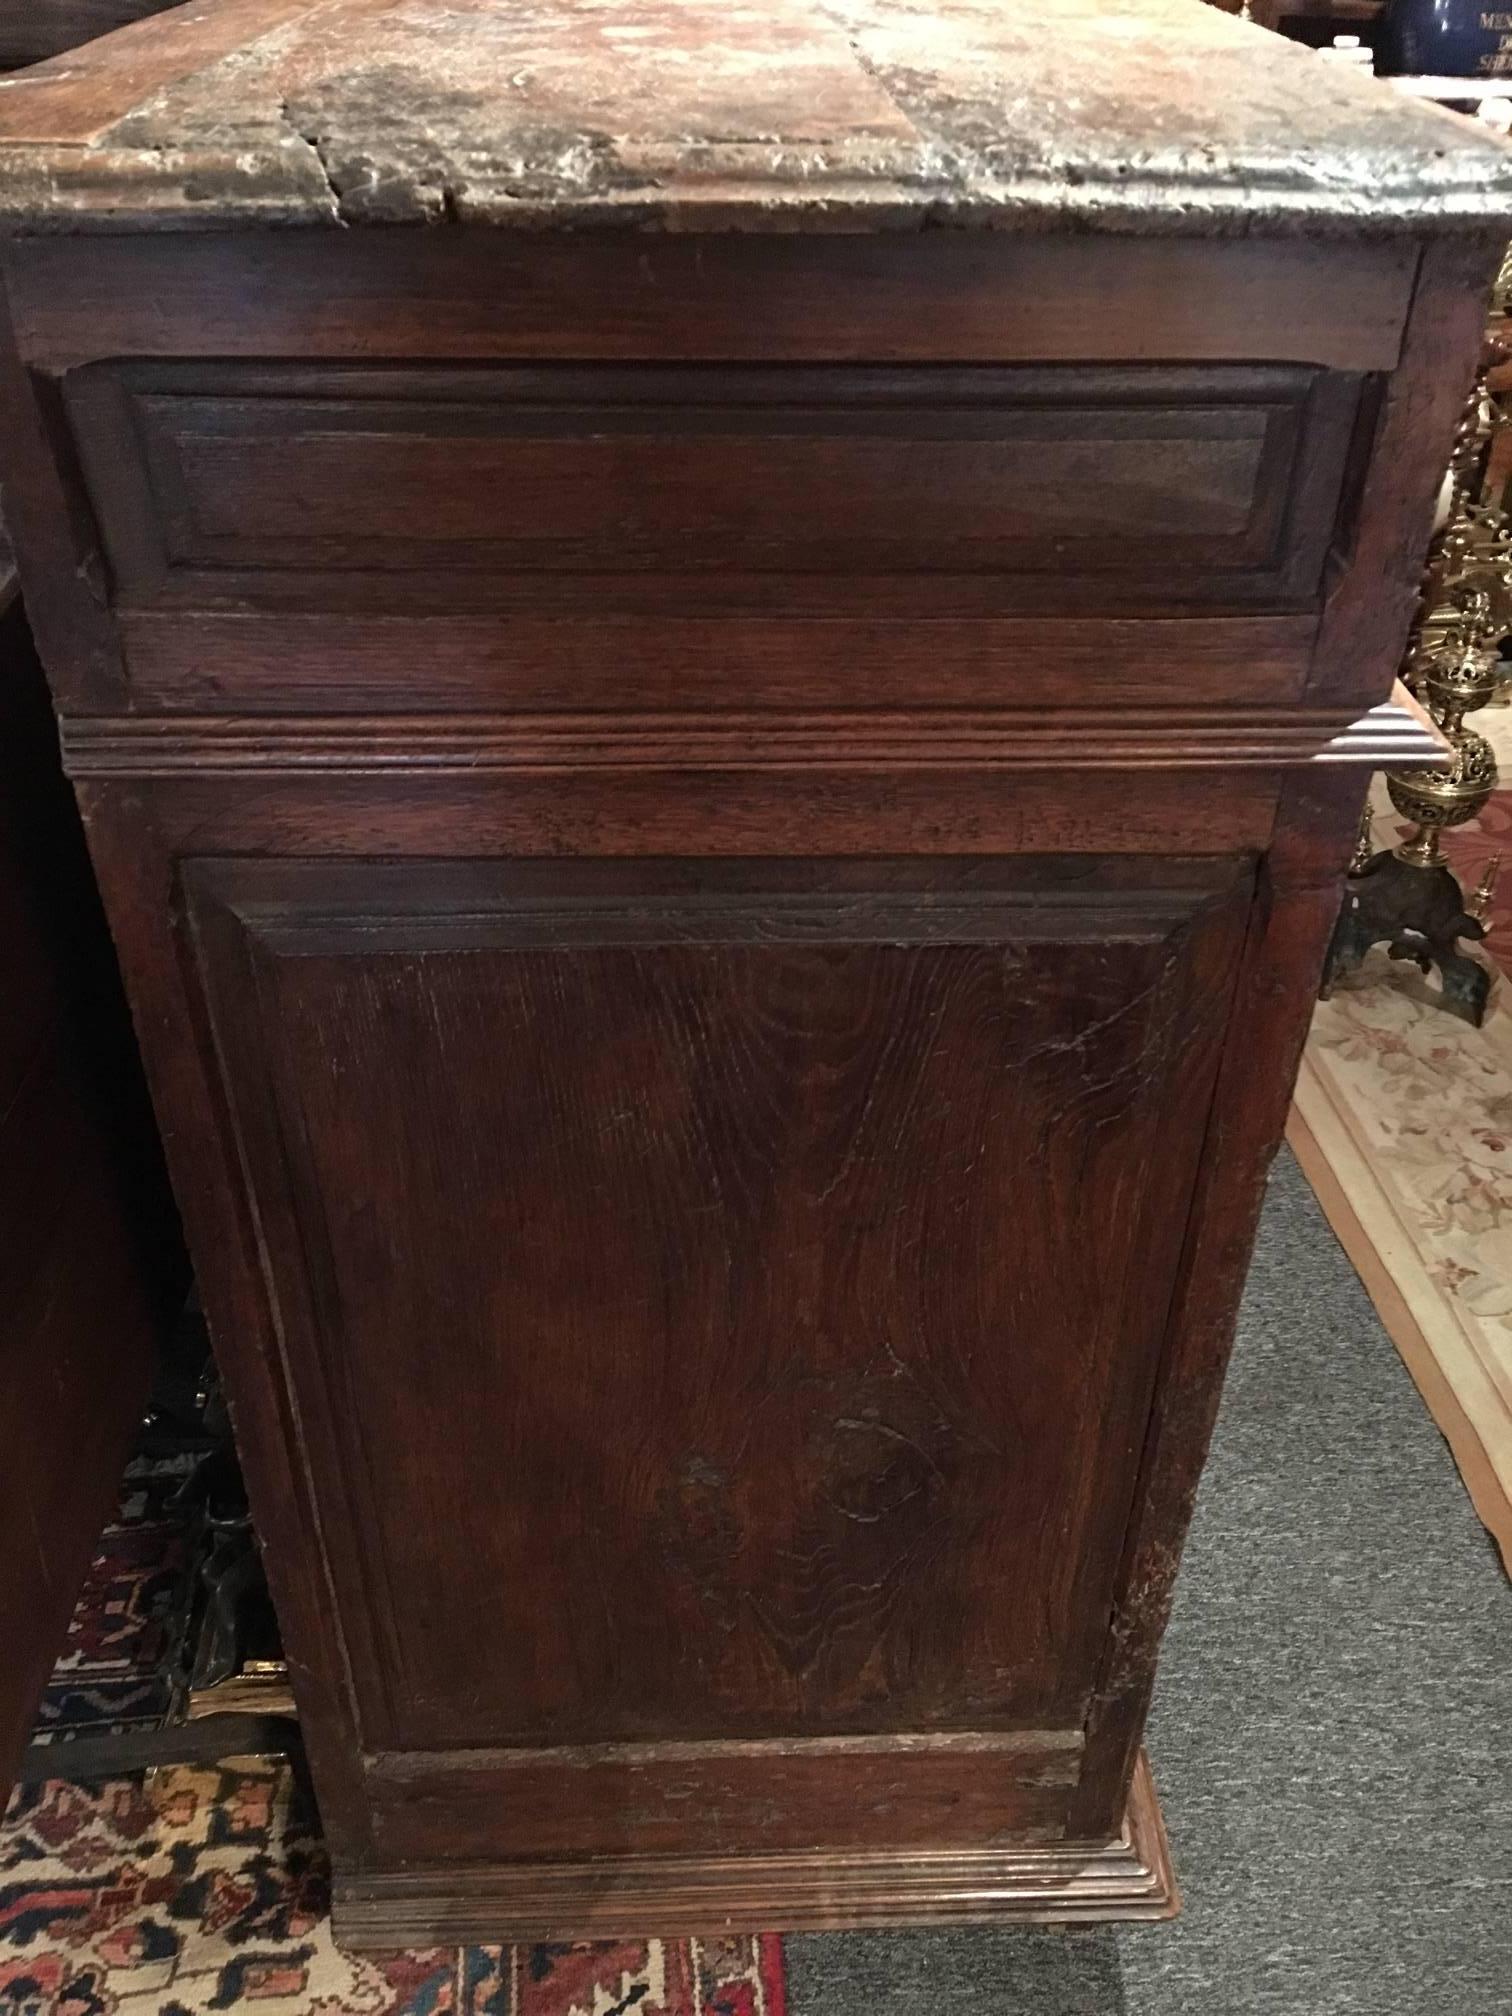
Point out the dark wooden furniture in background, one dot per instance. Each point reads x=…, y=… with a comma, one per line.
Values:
x=90, y=1264
x=1315, y=22
x=91, y=1260
x=33, y=30
x=722, y=837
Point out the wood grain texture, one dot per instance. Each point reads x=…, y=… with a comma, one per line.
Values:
x=438, y=1806
x=472, y=296
x=291, y=662
x=704, y=814
x=721, y=1056
x=231, y=482
x=843, y=1071
x=266, y=639
x=47, y=516
x=1369, y=613
x=1126, y=1878
x=1283, y=957
x=136, y=874
x=696, y=116
x=1007, y=739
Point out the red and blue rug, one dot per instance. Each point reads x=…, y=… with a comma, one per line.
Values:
x=184, y=1892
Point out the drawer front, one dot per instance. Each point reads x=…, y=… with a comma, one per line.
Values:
x=518, y=497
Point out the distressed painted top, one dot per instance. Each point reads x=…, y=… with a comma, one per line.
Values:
x=1126, y=115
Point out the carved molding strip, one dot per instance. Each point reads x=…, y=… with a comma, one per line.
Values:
x=1046, y=1882
x=1394, y=733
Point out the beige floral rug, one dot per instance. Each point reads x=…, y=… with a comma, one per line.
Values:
x=1403, y=1124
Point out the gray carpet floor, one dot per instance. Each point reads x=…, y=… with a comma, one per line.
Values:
x=1332, y=1736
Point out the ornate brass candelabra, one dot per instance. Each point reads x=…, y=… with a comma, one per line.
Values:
x=1408, y=897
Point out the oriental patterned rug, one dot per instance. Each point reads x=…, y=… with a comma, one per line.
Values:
x=186, y=1891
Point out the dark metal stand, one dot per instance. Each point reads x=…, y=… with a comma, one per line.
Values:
x=205, y=1741
x=1418, y=913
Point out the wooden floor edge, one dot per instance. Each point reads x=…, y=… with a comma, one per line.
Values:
x=1054, y=1883
x=1487, y=1493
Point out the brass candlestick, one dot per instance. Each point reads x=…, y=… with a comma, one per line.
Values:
x=1471, y=556
x=1407, y=896
x=1461, y=677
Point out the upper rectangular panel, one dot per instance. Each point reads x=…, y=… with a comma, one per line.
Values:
x=825, y=490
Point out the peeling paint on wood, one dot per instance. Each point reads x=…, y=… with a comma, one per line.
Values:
x=1129, y=115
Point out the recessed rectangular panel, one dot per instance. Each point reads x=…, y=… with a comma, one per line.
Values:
x=799, y=1236
x=820, y=490
x=687, y=481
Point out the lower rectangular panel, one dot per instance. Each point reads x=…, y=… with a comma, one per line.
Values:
x=1063, y=1882
x=707, y=1797
x=684, y=1347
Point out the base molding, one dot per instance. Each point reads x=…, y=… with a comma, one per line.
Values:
x=818, y=1890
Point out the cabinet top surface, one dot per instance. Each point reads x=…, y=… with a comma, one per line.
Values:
x=1130, y=115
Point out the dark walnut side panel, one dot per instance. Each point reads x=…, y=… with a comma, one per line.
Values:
x=806, y=1151
x=705, y=488
x=356, y=304
x=139, y=831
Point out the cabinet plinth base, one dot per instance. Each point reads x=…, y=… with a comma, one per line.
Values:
x=815, y=1891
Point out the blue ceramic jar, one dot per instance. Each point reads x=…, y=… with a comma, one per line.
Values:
x=1446, y=38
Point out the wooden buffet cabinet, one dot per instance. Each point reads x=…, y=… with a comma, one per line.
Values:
x=721, y=811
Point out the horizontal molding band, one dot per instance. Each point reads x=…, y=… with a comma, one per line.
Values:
x=902, y=740
x=821, y=1889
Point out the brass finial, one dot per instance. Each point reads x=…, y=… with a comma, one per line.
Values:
x=1472, y=437
x=1462, y=675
